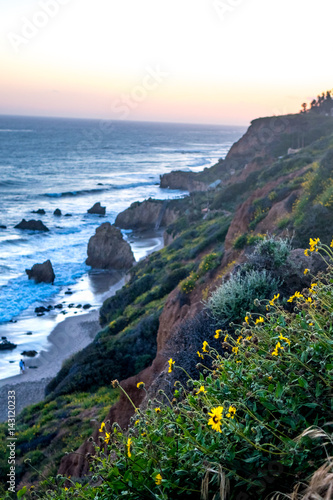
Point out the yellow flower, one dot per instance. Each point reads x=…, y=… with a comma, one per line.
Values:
x=140, y=384
x=249, y=338
x=281, y=337
x=158, y=410
x=216, y=418
x=200, y=355
x=107, y=438
x=202, y=389
x=143, y=434
x=66, y=489
x=158, y=479
x=217, y=334
x=331, y=245
x=235, y=350
x=306, y=252
x=270, y=378
x=102, y=427
x=306, y=271
x=309, y=300
x=239, y=339
x=171, y=363
x=313, y=286
x=274, y=299
x=297, y=295
x=314, y=244
x=136, y=422
x=276, y=350
x=129, y=442
x=260, y=320
x=247, y=319
x=311, y=324
x=204, y=346
x=232, y=412
x=225, y=338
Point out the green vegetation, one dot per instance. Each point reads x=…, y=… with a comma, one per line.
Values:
x=47, y=430
x=256, y=422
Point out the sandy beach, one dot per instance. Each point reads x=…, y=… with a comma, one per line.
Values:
x=68, y=337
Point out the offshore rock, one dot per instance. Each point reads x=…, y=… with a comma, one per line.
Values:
x=107, y=249
x=42, y=273
x=40, y=211
x=149, y=214
x=57, y=212
x=33, y=225
x=97, y=209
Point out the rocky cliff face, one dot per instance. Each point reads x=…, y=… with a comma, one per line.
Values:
x=150, y=214
x=107, y=249
x=182, y=180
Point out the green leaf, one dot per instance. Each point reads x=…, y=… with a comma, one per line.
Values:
x=302, y=382
x=279, y=390
x=22, y=492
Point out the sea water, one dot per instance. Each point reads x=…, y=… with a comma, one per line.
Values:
x=70, y=164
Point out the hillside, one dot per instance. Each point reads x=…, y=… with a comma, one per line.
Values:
x=160, y=313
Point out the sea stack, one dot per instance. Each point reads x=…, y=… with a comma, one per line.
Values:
x=107, y=249
x=42, y=273
x=97, y=209
x=32, y=225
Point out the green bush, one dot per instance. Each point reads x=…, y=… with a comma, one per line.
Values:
x=273, y=249
x=253, y=425
x=236, y=296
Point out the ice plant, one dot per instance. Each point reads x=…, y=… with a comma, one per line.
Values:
x=171, y=363
x=216, y=418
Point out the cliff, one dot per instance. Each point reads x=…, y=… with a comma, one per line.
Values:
x=159, y=313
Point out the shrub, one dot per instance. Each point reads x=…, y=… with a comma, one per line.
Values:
x=188, y=285
x=240, y=242
x=251, y=426
x=274, y=250
x=209, y=262
x=235, y=297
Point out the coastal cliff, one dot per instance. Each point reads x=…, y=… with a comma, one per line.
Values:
x=160, y=313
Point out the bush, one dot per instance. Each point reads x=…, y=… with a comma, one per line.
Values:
x=253, y=425
x=235, y=297
x=273, y=250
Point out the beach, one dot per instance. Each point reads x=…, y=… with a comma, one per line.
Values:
x=68, y=337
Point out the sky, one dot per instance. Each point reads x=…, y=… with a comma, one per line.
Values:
x=193, y=61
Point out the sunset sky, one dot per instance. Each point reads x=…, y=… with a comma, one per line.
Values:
x=201, y=61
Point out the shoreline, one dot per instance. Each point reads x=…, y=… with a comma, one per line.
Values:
x=68, y=337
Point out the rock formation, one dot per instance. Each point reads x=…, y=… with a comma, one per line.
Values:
x=40, y=211
x=97, y=209
x=107, y=249
x=33, y=225
x=57, y=212
x=42, y=273
x=146, y=215
x=179, y=179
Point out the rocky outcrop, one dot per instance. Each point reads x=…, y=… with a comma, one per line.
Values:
x=42, y=273
x=40, y=211
x=97, y=209
x=179, y=179
x=33, y=225
x=57, y=212
x=146, y=215
x=107, y=249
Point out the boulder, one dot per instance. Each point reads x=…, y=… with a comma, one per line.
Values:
x=42, y=273
x=29, y=354
x=107, y=249
x=3, y=227
x=57, y=212
x=97, y=209
x=149, y=214
x=33, y=225
x=40, y=211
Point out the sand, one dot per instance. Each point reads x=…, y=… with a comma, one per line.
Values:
x=68, y=337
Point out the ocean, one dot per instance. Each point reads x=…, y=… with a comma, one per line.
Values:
x=49, y=163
